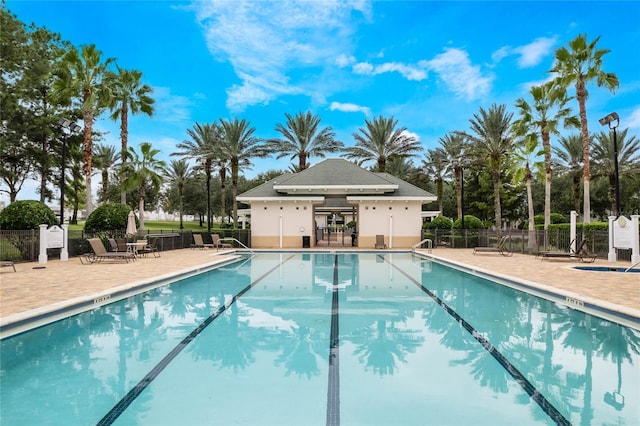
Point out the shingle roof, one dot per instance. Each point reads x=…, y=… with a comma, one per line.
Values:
x=335, y=172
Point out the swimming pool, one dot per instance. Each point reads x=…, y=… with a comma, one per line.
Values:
x=325, y=338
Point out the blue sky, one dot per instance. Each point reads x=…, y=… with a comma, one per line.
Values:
x=429, y=64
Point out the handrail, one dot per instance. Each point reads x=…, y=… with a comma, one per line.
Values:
x=632, y=266
x=237, y=241
x=426, y=240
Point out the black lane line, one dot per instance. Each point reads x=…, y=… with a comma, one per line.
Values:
x=528, y=387
x=333, y=393
x=122, y=405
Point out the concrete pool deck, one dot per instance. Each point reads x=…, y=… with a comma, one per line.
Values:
x=31, y=288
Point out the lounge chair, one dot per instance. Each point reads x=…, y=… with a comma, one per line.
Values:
x=580, y=254
x=4, y=263
x=500, y=248
x=150, y=247
x=217, y=243
x=122, y=244
x=380, y=242
x=199, y=243
x=100, y=253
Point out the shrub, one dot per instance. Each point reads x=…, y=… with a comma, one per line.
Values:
x=554, y=217
x=108, y=217
x=26, y=214
x=440, y=222
x=351, y=224
x=470, y=222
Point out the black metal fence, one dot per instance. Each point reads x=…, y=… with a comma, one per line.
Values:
x=522, y=241
x=24, y=246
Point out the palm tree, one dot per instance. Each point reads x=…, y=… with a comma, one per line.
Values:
x=81, y=74
x=239, y=146
x=381, y=140
x=524, y=156
x=303, y=138
x=435, y=167
x=129, y=96
x=143, y=170
x=205, y=147
x=603, y=157
x=177, y=174
x=105, y=159
x=547, y=111
x=578, y=65
x=453, y=149
x=569, y=160
x=492, y=142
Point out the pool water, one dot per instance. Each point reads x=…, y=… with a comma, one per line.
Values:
x=325, y=338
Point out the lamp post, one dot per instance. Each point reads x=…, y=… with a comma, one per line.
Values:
x=612, y=120
x=72, y=128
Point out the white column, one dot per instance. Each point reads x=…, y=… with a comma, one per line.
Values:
x=612, y=257
x=635, y=250
x=64, y=251
x=572, y=234
x=42, y=258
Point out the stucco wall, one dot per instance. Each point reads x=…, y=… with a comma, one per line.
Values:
x=396, y=219
x=297, y=221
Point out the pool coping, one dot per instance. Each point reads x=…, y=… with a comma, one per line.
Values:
x=601, y=308
x=34, y=318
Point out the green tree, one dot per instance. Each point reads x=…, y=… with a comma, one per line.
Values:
x=569, y=156
x=239, y=146
x=81, y=75
x=434, y=165
x=105, y=159
x=546, y=113
x=129, y=96
x=525, y=159
x=603, y=158
x=176, y=175
x=453, y=149
x=303, y=138
x=143, y=170
x=381, y=139
x=205, y=147
x=492, y=143
x=578, y=65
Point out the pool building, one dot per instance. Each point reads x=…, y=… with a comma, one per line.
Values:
x=302, y=209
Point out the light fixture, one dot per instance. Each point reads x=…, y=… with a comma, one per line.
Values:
x=72, y=127
x=613, y=120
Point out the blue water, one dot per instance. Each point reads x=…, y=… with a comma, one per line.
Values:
x=322, y=338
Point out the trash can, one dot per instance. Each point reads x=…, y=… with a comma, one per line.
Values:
x=306, y=241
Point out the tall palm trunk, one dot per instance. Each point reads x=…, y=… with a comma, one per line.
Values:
x=496, y=197
x=546, y=143
x=141, y=193
x=223, y=192
x=234, y=185
x=459, y=183
x=87, y=116
x=532, y=225
x=124, y=137
x=581, y=94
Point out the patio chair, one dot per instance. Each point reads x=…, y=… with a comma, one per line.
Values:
x=380, y=244
x=500, y=248
x=198, y=242
x=215, y=238
x=122, y=244
x=581, y=254
x=113, y=244
x=100, y=253
x=150, y=247
x=4, y=263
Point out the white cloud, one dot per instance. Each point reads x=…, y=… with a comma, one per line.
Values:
x=633, y=122
x=409, y=72
x=266, y=41
x=347, y=107
x=411, y=134
x=344, y=60
x=458, y=73
x=169, y=107
x=532, y=53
